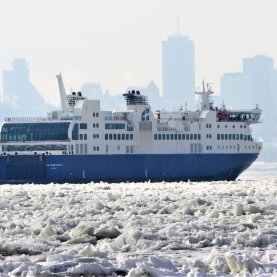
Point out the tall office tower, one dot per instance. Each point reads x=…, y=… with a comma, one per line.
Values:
x=178, y=70
x=253, y=86
x=19, y=93
x=234, y=89
x=259, y=71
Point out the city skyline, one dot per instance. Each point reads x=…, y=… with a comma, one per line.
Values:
x=118, y=43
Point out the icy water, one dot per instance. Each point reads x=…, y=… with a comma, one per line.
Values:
x=141, y=229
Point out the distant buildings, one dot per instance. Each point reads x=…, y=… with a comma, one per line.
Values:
x=153, y=94
x=19, y=95
x=107, y=101
x=256, y=84
x=178, y=70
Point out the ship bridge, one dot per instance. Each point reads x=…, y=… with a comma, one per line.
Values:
x=24, y=132
x=248, y=116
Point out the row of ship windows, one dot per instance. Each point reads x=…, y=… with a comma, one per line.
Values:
x=115, y=126
x=84, y=126
x=234, y=137
x=234, y=147
x=129, y=149
x=85, y=136
x=83, y=148
x=226, y=126
x=177, y=136
x=119, y=136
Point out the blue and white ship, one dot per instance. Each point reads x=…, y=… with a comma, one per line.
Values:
x=81, y=143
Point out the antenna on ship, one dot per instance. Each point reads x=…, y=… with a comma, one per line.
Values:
x=64, y=102
x=206, y=103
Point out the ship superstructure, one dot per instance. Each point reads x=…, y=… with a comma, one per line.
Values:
x=82, y=143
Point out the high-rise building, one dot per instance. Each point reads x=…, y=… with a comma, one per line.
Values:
x=153, y=94
x=234, y=89
x=19, y=93
x=178, y=70
x=253, y=86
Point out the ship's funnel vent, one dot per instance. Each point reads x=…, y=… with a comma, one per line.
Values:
x=133, y=97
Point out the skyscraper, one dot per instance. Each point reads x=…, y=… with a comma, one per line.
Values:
x=19, y=93
x=178, y=70
x=259, y=71
x=255, y=85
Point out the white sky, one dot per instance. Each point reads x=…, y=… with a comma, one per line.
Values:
x=118, y=42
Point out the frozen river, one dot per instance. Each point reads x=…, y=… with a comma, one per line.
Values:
x=141, y=229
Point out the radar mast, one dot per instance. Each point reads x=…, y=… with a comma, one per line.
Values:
x=206, y=102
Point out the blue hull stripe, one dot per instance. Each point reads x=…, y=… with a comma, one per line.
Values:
x=122, y=168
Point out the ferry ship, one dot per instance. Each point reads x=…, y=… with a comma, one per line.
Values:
x=81, y=143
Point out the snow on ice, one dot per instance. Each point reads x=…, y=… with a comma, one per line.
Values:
x=139, y=229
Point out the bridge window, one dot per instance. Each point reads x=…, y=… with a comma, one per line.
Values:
x=114, y=126
x=75, y=132
x=34, y=131
x=83, y=126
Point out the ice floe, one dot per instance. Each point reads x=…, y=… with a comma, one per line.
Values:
x=139, y=229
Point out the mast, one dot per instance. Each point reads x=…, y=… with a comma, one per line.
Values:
x=206, y=103
x=64, y=102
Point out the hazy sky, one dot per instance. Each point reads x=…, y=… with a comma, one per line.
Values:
x=118, y=42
